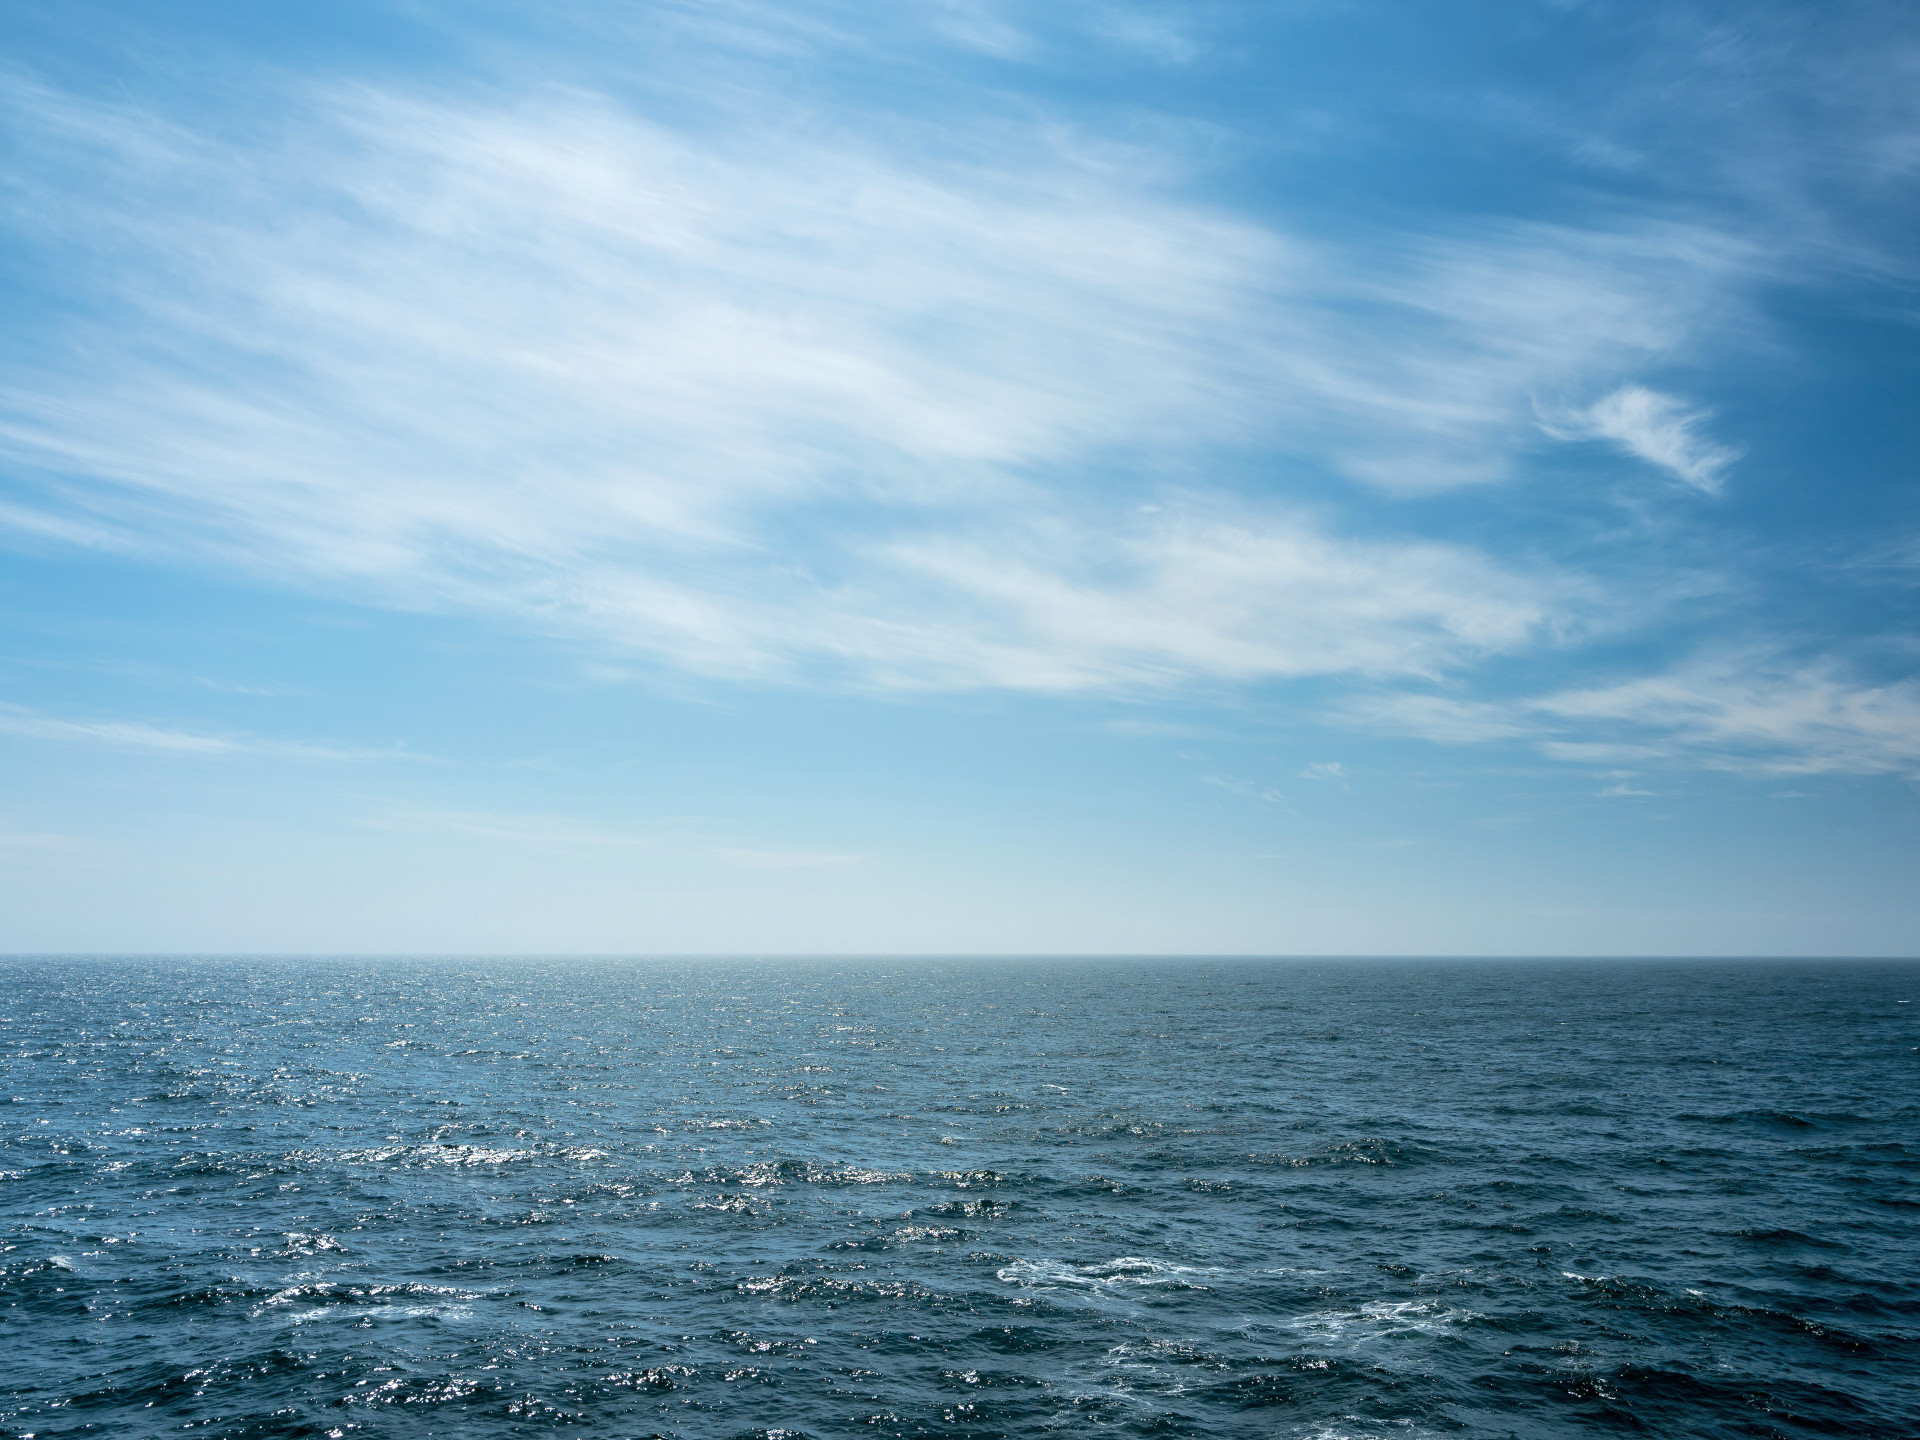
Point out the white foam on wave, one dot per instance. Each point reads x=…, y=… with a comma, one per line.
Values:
x=1380, y=1320
x=776, y=1172
x=1126, y=1270
x=410, y=1301
x=739, y=1204
x=966, y=1179
x=301, y=1242
x=764, y=1173
x=447, y=1152
x=854, y=1175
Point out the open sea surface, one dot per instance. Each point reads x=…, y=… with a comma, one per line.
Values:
x=959, y=1198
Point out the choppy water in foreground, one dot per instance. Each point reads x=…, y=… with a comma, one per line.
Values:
x=1315, y=1199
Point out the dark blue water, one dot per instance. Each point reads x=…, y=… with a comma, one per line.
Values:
x=1312, y=1199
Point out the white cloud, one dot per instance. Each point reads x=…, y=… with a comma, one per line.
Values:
x=777, y=401
x=1658, y=429
x=1600, y=752
x=134, y=735
x=1233, y=599
x=1751, y=713
x=1443, y=718
x=1738, y=712
x=1324, y=770
x=23, y=521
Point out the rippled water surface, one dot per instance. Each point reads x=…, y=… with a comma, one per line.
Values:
x=1315, y=1199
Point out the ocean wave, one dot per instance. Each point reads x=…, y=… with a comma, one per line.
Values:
x=1127, y=1270
x=1230, y=1228
x=410, y=1300
x=1381, y=1320
x=450, y=1152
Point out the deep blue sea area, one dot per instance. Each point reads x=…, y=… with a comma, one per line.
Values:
x=794, y=1198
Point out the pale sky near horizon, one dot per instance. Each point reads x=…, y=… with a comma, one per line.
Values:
x=1314, y=476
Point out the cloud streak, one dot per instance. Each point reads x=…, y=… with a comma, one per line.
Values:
x=1743, y=712
x=1754, y=714
x=794, y=406
x=154, y=739
x=1655, y=428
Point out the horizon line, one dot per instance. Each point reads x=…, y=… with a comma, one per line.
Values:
x=723, y=955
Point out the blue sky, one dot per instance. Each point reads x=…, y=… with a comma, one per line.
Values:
x=711, y=477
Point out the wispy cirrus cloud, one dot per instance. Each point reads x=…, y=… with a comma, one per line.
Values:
x=1744, y=711
x=138, y=736
x=1756, y=713
x=1656, y=428
x=797, y=398
x=1445, y=719
x=793, y=404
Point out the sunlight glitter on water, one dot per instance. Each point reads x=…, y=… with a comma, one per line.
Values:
x=1349, y=1199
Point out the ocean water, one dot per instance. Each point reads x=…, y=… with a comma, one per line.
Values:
x=959, y=1198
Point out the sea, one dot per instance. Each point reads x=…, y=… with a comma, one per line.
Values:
x=782, y=1198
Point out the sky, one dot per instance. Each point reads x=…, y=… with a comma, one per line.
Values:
x=714, y=476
